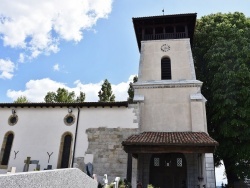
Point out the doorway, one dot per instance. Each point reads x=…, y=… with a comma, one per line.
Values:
x=168, y=170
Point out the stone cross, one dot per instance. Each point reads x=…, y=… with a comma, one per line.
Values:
x=28, y=162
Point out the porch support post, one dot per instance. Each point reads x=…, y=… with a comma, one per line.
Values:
x=129, y=168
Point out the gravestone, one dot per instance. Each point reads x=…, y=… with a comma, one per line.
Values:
x=12, y=170
x=49, y=167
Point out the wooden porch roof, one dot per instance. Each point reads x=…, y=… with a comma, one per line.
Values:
x=164, y=142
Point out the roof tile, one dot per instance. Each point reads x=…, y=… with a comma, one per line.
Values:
x=170, y=138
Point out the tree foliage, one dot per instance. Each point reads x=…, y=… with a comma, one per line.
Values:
x=63, y=95
x=221, y=52
x=106, y=93
x=131, y=91
x=21, y=99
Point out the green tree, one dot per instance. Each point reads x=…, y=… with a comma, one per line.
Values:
x=21, y=99
x=63, y=95
x=106, y=94
x=131, y=89
x=222, y=58
x=81, y=97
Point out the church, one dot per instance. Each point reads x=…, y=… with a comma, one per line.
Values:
x=160, y=138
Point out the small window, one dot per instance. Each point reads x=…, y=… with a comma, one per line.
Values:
x=179, y=162
x=166, y=69
x=156, y=161
x=13, y=120
x=69, y=119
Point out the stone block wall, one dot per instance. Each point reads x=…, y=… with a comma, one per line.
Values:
x=109, y=156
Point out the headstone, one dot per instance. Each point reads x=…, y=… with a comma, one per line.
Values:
x=116, y=183
x=12, y=170
x=49, y=167
x=89, y=169
x=105, y=179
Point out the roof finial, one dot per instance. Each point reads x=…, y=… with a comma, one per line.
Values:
x=163, y=11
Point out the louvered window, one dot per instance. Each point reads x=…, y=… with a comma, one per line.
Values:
x=166, y=69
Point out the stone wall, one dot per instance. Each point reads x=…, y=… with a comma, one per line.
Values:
x=109, y=156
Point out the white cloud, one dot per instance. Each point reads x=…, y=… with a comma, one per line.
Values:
x=6, y=69
x=36, y=90
x=21, y=57
x=38, y=26
x=56, y=67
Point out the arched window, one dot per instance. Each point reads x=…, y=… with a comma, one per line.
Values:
x=65, y=151
x=166, y=69
x=6, y=148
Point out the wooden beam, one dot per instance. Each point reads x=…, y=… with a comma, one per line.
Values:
x=129, y=168
x=136, y=149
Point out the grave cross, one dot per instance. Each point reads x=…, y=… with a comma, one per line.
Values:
x=28, y=162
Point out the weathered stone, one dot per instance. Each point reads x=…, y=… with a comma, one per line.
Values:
x=109, y=157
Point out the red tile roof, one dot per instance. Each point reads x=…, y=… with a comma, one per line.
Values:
x=171, y=138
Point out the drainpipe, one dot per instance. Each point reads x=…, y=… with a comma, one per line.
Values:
x=77, y=121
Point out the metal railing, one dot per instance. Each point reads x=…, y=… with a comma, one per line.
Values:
x=165, y=36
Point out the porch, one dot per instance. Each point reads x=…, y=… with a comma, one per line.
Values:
x=172, y=159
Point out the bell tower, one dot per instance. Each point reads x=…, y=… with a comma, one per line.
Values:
x=172, y=144
x=165, y=46
x=167, y=88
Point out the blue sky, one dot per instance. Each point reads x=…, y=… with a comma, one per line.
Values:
x=77, y=44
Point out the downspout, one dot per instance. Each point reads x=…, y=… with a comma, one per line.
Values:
x=77, y=121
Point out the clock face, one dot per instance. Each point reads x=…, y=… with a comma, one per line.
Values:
x=165, y=47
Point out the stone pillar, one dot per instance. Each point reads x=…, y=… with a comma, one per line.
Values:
x=134, y=172
x=209, y=170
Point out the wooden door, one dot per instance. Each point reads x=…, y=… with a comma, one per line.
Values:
x=168, y=170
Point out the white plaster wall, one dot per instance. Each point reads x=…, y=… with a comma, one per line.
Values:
x=182, y=66
x=169, y=110
x=197, y=116
x=39, y=130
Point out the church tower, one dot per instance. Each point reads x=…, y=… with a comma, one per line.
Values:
x=173, y=148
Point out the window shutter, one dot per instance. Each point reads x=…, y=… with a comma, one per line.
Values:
x=166, y=69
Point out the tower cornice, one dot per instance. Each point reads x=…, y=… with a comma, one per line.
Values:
x=167, y=84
